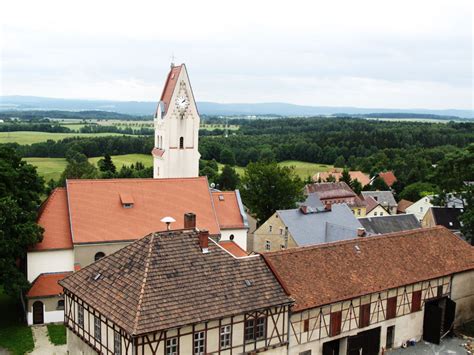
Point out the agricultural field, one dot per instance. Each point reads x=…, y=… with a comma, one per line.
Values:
x=302, y=169
x=51, y=168
x=29, y=137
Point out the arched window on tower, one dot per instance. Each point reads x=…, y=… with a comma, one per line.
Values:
x=181, y=143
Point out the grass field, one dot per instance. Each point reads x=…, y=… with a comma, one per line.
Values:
x=51, y=168
x=14, y=334
x=302, y=169
x=28, y=137
x=73, y=126
x=57, y=334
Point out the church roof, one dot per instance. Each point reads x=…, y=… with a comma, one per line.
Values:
x=170, y=84
x=164, y=280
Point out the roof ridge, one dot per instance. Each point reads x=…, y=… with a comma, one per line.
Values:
x=142, y=290
x=360, y=239
x=75, y=181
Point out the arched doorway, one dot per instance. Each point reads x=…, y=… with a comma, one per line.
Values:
x=38, y=314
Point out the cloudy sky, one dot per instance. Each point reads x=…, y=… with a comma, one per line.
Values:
x=390, y=54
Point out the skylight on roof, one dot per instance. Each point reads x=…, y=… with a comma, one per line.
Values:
x=221, y=197
x=248, y=283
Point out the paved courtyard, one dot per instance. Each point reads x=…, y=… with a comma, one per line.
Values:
x=42, y=344
x=447, y=346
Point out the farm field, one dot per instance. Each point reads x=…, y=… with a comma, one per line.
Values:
x=29, y=137
x=51, y=168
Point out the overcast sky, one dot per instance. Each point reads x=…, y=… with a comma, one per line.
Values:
x=390, y=54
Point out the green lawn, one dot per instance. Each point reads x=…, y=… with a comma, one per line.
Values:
x=28, y=137
x=15, y=335
x=302, y=169
x=127, y=159
x=57, y=334
x=73, y=126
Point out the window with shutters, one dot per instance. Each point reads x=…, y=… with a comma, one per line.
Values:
x=416, y=301
x=391, y=307
x=364, y=315
x=335, y=328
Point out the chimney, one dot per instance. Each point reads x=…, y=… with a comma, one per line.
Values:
x=328, y=207
x=304, y=209
x=189, y=220
x=203, y=241
x=361, y=232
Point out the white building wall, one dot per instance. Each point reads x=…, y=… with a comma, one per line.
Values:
x=377, y=211
x=420, y=207
x=39, y=262
x=49, y=317
x=463, y=294
x=240, y=236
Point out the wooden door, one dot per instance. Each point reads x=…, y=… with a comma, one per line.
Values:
x=38, y=316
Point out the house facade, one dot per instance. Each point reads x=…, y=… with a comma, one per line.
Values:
x=345, y=305
x=89, y=219
x=444, y=216
x=420, y=207
x=384, y=198
x=176, y=292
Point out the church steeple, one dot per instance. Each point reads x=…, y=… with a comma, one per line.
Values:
x=176, y=121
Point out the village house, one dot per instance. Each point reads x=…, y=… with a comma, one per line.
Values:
x=364, y=295
x=403, y=205
x=336, y=173
x=384, y=199
x=89, y=219
x=306, y=225
x=387, y=176
x=176, y=292
x=337, y=192
x=374, y=208
x=421, y=207
x=444, y=216
x=389, y=224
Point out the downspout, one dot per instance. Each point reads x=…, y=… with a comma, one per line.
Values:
x=288, y=330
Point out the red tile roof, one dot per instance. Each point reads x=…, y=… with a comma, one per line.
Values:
x=54, y=218
x=364, y=179
x=327, y=190
x=233, y=248
x=227, y=209
x=403, y=205
x=388, y=177
x=97, y=214
x=332, y=272
x=371, y=203
x=170, y=84
x=47, y=285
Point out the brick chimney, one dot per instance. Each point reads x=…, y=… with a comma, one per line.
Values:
x=204, y=241
x=189, y=220
x=304, y=209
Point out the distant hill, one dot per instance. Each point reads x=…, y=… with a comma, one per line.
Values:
x=211, y=108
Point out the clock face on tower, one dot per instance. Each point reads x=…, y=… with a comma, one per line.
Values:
x=182, y=103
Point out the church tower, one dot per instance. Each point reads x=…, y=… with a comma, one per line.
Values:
x=176, y=120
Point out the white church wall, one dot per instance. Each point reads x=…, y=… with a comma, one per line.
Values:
x=39, y=262
x=240, y=236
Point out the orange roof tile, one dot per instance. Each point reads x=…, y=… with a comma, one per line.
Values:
x=332, y=272
x=54, y=218
x=388, y=177
x=170, y=84
x=227, y=209
x=97, y=214
x=47, y=285
x=233, y=248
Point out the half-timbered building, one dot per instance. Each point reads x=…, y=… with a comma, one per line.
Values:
x=364, y=295
x=176, y=292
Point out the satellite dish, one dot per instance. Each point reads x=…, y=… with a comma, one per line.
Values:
x=168, y=220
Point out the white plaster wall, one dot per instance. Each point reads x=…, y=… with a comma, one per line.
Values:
x=462, y=293
x=39, y=262
x=380, y=212
x=423, y=203
x=240, y=236
x=49, y=317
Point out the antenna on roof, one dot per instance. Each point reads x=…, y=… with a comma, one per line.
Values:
x=172, y=60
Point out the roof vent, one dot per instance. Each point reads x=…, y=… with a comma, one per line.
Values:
x=357, y=249
x=168, y=220
x=127, y=200
x=248, y=283
x=221, y=197
x=361, y=232
x=96, y=277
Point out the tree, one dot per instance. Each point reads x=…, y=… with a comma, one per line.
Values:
x=377, y=185
x=331, y=178
x=107, y=165
x=267, y=187
x=211, y=174
x=78, y=167
x=227, y=157
x=20, y=190
x=346, y=177
x=467, y=218
x=356, y=186
x=229, y=179
x=340, y=162
x=417, y=190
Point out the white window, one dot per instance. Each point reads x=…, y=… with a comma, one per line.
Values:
x=375, y=213
x=381, y=213
x=97, y=328
x=225, y=337
x=268, y=245
x=172, y=346
x=117, y=344
x=421, y=209
x=281, y=231
x=199, y=343
x=260, y=329
x=80, y=315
